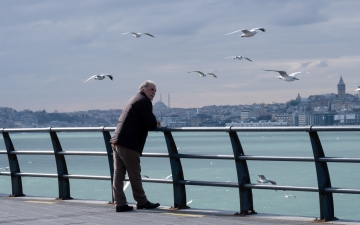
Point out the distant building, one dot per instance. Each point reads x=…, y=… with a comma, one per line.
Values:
x=341, y=88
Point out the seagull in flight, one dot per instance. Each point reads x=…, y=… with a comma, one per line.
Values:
x=201, y=74
x=284, y=76
x=248, y=33
x=263, y=179
x=100, y=77
x=137, y=35
x=358, y=88
x=126, y=185
x=239, y=57
x=289, y=196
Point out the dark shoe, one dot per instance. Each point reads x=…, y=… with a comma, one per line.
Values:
x=148, y=205
x=124, y=208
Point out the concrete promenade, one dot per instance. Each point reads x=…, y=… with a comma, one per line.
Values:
x=36, y=210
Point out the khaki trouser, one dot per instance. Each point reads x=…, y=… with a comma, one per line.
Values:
x=126, y=159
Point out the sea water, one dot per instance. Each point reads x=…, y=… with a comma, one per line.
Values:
x=335, y=144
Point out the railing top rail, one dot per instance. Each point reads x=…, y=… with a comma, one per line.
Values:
x=192, y=129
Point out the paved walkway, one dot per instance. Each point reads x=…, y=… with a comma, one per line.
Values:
x=34, y=210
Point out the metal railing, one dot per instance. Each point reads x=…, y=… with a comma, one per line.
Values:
x=324, y=188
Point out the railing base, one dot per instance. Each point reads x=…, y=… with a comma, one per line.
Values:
x=179, y=208
x=66, y=198
x=22, y=195
x=245, y=213
x=325, y=220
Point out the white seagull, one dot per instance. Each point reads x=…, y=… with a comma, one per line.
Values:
x=284, y=76
x=289, y=196
x=137, y=35
x=358, y=88
x=239, y=57
x=126, y=185
x=248, y=33
x=99, y=77
x=201, y=74
x=263, y=179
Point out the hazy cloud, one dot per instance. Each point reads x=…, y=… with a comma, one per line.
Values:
x=305, y=64
x=322, y=64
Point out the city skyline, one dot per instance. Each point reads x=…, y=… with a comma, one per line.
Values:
x=48, y=48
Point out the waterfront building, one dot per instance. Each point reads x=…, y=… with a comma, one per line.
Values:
x=341, y=88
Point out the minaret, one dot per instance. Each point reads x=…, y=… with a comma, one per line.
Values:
x=341, y=88
x=168, y=100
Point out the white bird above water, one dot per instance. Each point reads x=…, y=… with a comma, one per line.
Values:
x=263, y=179
x=100, y=77
x=126, y=185
x=358, y=88
x=201, y=74
x=137, y=35
x=284, y=76
x=239, y=57
x=289, y=196
x=248, y=33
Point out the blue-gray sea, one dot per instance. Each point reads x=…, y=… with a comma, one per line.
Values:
x=335, y=144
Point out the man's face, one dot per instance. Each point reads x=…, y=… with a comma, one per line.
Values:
x=150, y=91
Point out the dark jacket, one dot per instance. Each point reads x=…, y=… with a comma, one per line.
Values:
x=136, y=119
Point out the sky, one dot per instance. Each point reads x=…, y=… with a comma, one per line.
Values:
x=48, y=48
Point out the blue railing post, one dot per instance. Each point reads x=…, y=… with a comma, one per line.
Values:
x=177, y=172
x=64, y=183
x=16, y=183
x=107, y=137
x=246, y=198
x=323, y=179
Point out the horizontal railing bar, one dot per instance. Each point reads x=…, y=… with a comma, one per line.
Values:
x=277, y=129
x=5, y=173
x=338, y=159
x=155, y=155
x=278, y=187
x=3, y=152
x=76, y=129
x=152, y=180
x=197, y=129
x=86, y=177
x=82, y=153
x=276, y=158
x=342, y=190
x=207, y=183
x=175, y=129
x=336, y=128
x=202, y=156
x=35, y=175
x=25, y=152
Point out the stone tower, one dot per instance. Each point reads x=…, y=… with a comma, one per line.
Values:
x=341, y=88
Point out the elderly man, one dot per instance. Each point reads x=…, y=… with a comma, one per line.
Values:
x=128, y=143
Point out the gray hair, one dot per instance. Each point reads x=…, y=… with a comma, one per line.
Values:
x=145, y=84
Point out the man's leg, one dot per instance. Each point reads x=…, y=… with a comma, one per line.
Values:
x=131, y=160
x=119, y=177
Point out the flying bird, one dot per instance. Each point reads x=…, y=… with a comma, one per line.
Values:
x=137, y=35
x=289, y=196
x=239, y=57
x=248, y=33
x=126, y=185
x=284, y=76
x=201, y=74
x=358, y=88
x=100, y=77
x=263, y=179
